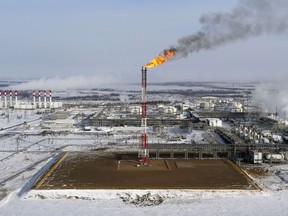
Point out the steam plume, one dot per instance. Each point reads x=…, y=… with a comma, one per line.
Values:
x=61, y=84
x=271, y=95
x=250, y=18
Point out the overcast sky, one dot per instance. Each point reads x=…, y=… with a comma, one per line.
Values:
x=112, y=39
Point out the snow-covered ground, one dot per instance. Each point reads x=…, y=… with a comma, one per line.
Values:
x=12, y=117
x=169, y=202
x=23, y=155
x=38, y=150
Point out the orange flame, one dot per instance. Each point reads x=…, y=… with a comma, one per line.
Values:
x=161, y=58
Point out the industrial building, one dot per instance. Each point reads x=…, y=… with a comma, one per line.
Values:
x=58, y=120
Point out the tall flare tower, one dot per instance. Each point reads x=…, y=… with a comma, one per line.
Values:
x=143, y=153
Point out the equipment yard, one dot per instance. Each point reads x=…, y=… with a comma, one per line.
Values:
x=100, y=170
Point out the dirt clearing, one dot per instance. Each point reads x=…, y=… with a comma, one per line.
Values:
x=100, y=170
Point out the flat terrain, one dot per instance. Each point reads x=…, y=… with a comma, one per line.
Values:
x=98, y=170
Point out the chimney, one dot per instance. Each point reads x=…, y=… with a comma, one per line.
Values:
x=34, y=99
x=39, y=97
x=11, y=98
x=16, y=97
x=5, y=98
x=45, y=105
x=50, y=96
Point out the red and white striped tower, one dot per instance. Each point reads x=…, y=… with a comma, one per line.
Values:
x=16, y=97
x=11, y=98
x=50, y=96
x=34, y=99
x=1, y=104
x=45, y=104
x=143, y=153
x=39, y=98
x=5, y=99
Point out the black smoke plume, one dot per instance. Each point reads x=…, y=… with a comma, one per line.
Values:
x=249, y=19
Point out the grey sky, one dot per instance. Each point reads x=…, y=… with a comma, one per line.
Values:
x=113, y=39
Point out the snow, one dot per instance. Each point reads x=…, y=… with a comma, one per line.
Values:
x=175, y=203
x=196, y=136
x=13, y=117
x=272, y=200
x=23, y=156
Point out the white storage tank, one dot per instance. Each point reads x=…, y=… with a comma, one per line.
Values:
x=274, y=157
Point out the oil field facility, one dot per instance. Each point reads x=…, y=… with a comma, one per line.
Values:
x=208, y=142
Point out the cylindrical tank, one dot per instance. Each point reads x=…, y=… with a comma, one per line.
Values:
x=274, y=156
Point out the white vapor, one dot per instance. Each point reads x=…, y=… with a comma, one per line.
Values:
x=66, y=83
x=273, y=95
